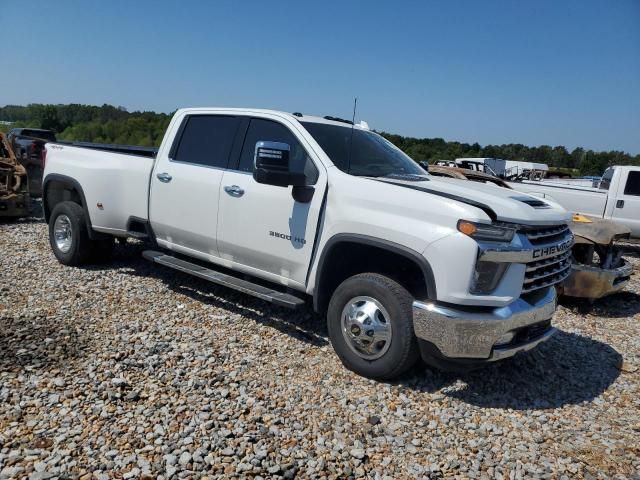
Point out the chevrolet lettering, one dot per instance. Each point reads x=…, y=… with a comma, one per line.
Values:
x=545, y=252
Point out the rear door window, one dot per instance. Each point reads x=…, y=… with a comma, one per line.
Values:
x=632, y=186
x=206, y=140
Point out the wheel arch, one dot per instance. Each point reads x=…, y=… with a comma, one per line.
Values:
x=391, y=259
x=58, y=188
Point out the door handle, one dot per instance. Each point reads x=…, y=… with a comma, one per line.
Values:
x=234, y=190
x=620, y=204
x=164, y=177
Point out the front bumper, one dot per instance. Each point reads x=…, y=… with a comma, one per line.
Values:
x=467, y=334
x=593, y=282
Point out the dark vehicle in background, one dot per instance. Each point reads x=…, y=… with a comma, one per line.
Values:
x=28, y=146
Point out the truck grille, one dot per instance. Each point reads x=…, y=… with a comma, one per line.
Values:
x=540, y=236
x=552, y=270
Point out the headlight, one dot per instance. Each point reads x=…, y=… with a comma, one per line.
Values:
x=485, y=231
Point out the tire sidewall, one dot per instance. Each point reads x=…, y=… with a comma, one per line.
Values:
x=78, y=228
x=403, y=341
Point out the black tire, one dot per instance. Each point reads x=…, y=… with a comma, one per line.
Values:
x=403, y=350
x=81, y=249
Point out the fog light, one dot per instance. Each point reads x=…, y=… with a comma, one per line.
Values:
x=487, y=276
x=505, y=339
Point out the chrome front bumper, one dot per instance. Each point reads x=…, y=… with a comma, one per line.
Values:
x=468, y=334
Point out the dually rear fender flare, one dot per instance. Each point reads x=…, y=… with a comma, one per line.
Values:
x=72, y=184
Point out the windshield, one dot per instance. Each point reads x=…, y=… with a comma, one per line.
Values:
x=369, y=155
x=605, y=182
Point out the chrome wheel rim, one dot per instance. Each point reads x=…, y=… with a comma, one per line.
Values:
x=62, y=233
x=366, y=327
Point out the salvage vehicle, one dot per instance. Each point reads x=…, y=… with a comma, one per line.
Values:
x=290, y=207
x=466, y=174
x=617, y=197
x=28, y=145
x=14, y=191
x=597, y=266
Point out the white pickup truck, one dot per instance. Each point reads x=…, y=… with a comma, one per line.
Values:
x=289, y=207
x=616, y=198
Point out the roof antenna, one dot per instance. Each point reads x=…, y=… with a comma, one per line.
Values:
x=353, y=121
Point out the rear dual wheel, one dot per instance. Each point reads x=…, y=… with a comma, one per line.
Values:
x=370, y=323
x=69, y=237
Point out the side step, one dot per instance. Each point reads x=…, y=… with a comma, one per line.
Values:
x=277, y=298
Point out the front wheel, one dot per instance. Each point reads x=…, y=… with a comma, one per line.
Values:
x=370, y=323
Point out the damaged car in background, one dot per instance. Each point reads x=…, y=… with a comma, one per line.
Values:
x=28, y=147
x=14, y=185
x=597, y=266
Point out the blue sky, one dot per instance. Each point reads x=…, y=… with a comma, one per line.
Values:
x=539, y=72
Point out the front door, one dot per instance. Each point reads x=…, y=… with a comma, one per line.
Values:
x=185, y=184
x=262, y=229
x=627, y=203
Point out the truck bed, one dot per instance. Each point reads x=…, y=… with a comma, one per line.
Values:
x=114, y=179
x=149, y=152
x=578, y=199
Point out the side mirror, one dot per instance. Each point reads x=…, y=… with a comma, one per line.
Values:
x=424, y=164
x=271, y=165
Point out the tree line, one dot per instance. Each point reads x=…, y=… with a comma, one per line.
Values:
x=89, y=123
x=110, y=124
x=579, y=161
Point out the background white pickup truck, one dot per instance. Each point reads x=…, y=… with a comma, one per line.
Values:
x=616, y=198
x=288, y=207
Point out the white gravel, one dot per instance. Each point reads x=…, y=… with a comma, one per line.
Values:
x=130, y=370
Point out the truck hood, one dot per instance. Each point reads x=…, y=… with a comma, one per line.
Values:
x=498, y=203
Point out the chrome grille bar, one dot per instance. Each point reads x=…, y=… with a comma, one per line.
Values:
x=533, y=266
x=547, y=232
x=562, y=267
x=552, y=281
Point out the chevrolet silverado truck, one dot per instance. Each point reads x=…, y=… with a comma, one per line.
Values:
x=293, y=208
x=28, y=146
x=617, y=196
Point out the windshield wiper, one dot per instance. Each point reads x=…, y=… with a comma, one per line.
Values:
x=414, y=177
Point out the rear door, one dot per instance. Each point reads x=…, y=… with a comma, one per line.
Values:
x=185, y=184
x=262, y=229
x=627, y=201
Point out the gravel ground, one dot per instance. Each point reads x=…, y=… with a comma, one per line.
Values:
x=134, y=371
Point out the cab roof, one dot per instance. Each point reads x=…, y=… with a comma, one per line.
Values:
x=300, y=117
